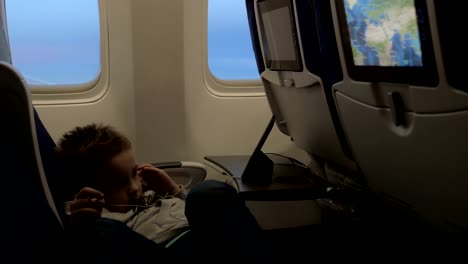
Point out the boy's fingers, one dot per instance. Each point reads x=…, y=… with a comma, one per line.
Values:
x=88, y=192
x=142, y=166
x=91, y=203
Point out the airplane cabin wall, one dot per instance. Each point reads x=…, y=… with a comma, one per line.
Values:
x=160, y=108
x=117, y=107
x=177, y=117
x=158, y=96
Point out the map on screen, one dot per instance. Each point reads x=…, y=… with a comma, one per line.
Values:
x=384, y=33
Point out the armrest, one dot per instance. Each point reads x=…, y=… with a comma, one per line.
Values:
x=186, y=173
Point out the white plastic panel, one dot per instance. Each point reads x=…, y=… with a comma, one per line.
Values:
x=423, y=161
x=423, y=164
x=297, y=99
x=304, y=111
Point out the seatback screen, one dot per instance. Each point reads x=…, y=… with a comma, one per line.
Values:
x=279, y=38
x=387, y=41
x=384, y=33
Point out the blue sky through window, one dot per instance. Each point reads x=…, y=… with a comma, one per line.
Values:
x=58, y=41
x=55, y=41
x=230, y=52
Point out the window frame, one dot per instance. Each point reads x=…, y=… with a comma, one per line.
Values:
x=87, y=92
x=226, y=88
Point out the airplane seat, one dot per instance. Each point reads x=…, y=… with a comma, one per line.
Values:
x=186, y=173
x=403, y=103
x=382, y=104
x=297, y=71
x=30, y=221
x=59, y=189
x=395, y=129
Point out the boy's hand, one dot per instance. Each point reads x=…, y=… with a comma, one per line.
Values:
x=86, y=206
x=157, y=180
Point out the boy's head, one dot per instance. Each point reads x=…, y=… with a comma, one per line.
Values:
x=100, y=157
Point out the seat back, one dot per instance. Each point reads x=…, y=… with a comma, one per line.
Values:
x=30, y=216
x=404, y=104
x=375, y=85
x=60, y=187
x=297, y=71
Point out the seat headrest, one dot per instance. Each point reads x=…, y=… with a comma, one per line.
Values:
x=18, y=129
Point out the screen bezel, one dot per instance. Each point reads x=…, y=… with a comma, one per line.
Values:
x=264, y=6
x=425, y=75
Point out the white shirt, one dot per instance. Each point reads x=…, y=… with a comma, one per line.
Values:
x=162, y=221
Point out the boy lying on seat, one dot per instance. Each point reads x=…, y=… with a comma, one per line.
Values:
x=100, y=162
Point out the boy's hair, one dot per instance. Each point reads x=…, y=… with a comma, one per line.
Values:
x=84, y=151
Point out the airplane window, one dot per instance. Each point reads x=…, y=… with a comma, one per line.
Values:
x=55, y=42
x=230, y=52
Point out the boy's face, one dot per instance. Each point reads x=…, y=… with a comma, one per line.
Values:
x=121, y=183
